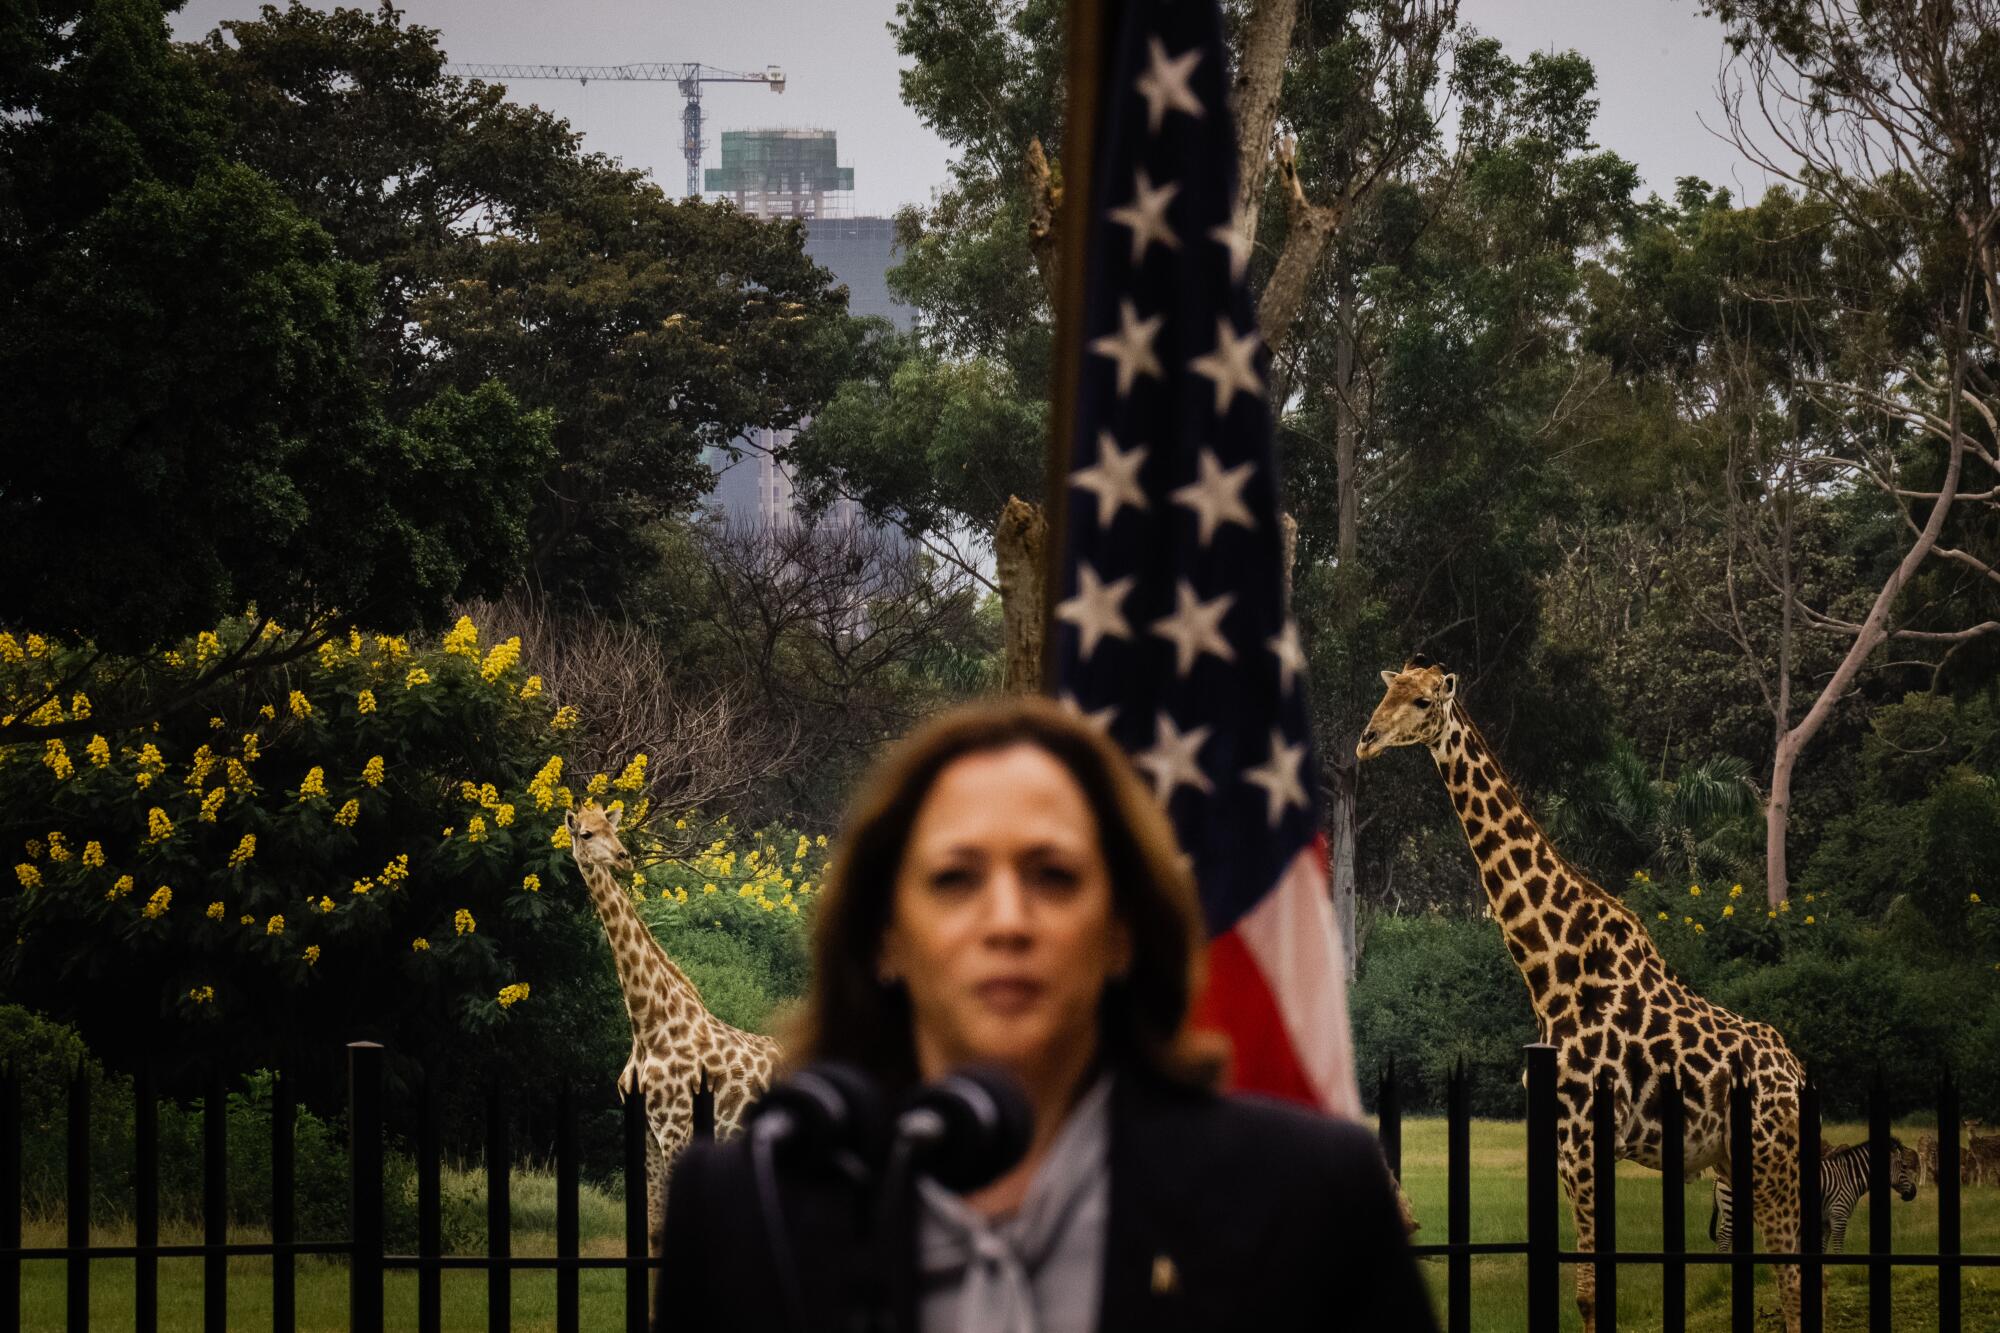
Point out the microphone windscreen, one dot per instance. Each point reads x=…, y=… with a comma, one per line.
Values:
x=820, y=1110
x=986, y=1123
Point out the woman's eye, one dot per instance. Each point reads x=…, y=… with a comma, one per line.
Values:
x=1423, y=703
x=1061, y=877
x=951, y=879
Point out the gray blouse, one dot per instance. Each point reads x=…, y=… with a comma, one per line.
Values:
x=1040, y=1270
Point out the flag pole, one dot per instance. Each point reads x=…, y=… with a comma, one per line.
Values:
x=1086, y=26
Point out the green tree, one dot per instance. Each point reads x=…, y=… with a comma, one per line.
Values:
x=192, y=426
x=645, y=329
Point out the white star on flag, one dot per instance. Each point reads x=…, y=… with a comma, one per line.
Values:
x=1100, y=721
x=1094, y=610
x=1146, y=215
x=1230, y=365
x=1231, y=237
x=1291, y=655
x=1113, y=478
x=1195, y=627
x=1164, y=85
x=1132, y=346
x=1216, y=496
x=1172, y=761
x=1279, y=777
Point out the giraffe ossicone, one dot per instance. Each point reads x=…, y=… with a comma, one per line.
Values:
x=1602, y=995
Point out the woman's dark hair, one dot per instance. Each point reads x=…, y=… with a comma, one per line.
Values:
x=851, y=1015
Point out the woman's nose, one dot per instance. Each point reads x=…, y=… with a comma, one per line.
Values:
x=1007, y=904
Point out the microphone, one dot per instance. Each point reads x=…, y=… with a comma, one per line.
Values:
x=967, y=1129
x=826, y=1115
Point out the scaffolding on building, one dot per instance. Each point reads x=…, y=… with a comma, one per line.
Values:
x=783, y=173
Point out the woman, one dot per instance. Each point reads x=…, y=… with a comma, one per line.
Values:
x=1007, y=892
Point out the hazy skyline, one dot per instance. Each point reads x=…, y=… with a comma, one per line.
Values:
x=1656, y=64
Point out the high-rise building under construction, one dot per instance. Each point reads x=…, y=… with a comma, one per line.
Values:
x=795, y=174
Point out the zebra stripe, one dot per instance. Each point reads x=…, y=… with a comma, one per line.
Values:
x=1843, y=1179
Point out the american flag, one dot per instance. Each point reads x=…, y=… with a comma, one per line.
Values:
x=1172, y=632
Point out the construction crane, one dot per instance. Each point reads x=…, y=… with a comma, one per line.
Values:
x=689, y=77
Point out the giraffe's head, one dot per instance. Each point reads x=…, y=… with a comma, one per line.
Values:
x=593, y=838
x=1413, y=710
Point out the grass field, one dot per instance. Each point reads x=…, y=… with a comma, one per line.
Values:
x=1499, y=1195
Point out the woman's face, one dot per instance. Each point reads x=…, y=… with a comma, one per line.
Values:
x=1002, y=925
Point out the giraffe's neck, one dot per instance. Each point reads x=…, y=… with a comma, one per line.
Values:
x=1543, y=906
x=656, y=992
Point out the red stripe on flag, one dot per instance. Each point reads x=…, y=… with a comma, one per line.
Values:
x=1238, y=1002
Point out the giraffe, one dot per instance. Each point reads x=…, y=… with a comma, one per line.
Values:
x=1602, y=995
x=675, y=1040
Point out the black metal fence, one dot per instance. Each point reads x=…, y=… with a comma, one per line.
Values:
x=364, y=1248
x=1547, y=1293
x=369, y=1259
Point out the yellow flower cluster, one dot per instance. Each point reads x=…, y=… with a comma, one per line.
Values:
x=202, y=994
x=634, y=776
x=543, y=785
x=396, y=871
x=206, y=646
x=312, y=954
x=250, y=750
x=157, y=905
x=275, y=926
x=245, y=849
x=420, y=945
x=418, y=676
x=199, y=767
x=364, y=702
x=56, y=755
x=500, y=657
x=158, y=827
x=532, y=883
x=349, y=811
x=214, y=911
x=532, y=689
x=211, y=804
x=371, y=772
x=151, y=764
x=98, y=752
x=58, y=849
x=119, y=888
x=565, y=718
x=325, y=904
x=560, y=838
x=463, y=639
x=514, y=994
x=79, y=706
x=93, y=855
x=300, y=705
x=463, y=923
x=314, y=787
x=30, y=877
x=475, y=829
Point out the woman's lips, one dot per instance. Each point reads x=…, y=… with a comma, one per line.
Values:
x=1009, y=995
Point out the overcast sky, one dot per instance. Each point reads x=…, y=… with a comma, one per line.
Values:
x=1656, y=66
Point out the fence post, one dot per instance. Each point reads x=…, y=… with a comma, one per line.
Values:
x=1673, y=1203
x=566, y=1208
x=1812, y=1212
x=1458, y=1204
x=215, y=1204
x=364, y=1154
x=1389, y=1120
x=77, y=1199
x=1604, y=1210
x=145, y=1198
x=1949, y=1273
x=636, y=1241
x=1543, y=1265
x=1878, y=1206
x=499, y=1215
x=284, y=1204
x=1743, y=1208
x=430, y=1206
x=10, y=1199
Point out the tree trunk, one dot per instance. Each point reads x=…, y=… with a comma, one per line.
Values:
x=1777, y=821
x=1346, y=772
x=1267, y=37
x=1019, y=542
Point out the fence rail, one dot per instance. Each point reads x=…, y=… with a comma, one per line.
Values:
x=369, y=1261
x=1546, y=1258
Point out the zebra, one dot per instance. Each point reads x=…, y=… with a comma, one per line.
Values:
x=1843, y=1179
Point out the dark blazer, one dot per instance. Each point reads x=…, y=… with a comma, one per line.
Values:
x=1226, y=1212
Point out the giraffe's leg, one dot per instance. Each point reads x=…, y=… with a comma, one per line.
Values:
x=1776, y=1207
x=1572, y=1159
